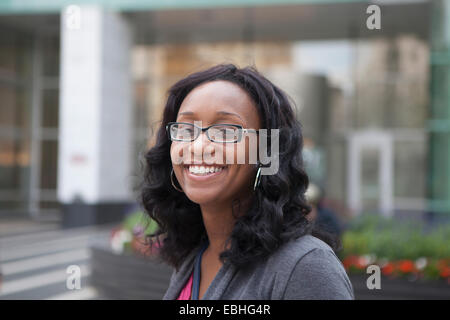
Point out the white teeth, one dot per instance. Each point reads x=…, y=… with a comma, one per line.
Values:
x=203, y=170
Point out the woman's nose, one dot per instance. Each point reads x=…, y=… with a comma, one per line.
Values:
x=198, y=145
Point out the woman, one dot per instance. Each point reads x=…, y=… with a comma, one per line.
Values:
x=229, y=231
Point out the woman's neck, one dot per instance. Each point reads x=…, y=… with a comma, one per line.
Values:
x=219, y=221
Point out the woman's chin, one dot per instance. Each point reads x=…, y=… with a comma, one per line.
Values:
x=203, y=197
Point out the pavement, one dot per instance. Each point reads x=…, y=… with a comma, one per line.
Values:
x=11, y=227
x=34, y=260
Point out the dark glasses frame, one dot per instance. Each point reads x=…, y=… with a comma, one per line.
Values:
x=241, y=131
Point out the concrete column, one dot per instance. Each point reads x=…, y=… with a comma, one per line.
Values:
x=95, y=116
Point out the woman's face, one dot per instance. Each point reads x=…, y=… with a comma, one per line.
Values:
x=216, y=102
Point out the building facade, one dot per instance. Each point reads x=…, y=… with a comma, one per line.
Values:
x=82, y=87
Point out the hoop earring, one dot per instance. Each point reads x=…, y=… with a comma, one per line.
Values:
x=173, y=184
x=257, y=179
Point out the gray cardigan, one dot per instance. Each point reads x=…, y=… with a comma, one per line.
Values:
x=305, y=268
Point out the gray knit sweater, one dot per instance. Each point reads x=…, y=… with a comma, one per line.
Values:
x=306, y=268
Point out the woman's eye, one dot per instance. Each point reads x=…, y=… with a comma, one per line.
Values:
x=187, y=131
x=223, y=133
x=229, y=132
x=183, y=132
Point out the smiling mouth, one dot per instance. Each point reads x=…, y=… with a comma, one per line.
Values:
x=204, y=170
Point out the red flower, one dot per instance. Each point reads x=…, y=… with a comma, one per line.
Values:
x=388, y=268
x=445, y=272
x=406, y=266
x=442, y=263
x=350, y=261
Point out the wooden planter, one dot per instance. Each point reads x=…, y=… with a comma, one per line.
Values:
x=127, y=276
x=400, y=289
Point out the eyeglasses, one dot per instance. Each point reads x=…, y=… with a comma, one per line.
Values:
x=222, y=133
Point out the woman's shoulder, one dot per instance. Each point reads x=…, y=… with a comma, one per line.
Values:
x=283, y=261
x=294, y=250
x=308, y=268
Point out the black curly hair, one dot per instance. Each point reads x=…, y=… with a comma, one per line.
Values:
x=278, y=210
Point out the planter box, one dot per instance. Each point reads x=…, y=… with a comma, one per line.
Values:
x=132, y=277
x=400, y=289
x=127, y=276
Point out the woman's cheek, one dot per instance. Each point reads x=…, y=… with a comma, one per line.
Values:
x=246, y=151
x=234, y=154
x=178, y=153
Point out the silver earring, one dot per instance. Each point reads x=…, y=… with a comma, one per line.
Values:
x=257, y=179
x=173, y=184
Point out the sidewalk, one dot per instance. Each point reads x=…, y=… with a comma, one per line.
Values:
x=35, y=255
x=11, y=227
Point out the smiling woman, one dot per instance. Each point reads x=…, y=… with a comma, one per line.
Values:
x=230, y=232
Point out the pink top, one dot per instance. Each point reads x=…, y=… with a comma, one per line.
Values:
x=185, y=293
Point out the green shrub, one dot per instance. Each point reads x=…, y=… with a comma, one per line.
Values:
x=392, y=239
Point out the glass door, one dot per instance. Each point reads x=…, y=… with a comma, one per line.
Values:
x=15, y=69
x=29, y=111
x=370, y=172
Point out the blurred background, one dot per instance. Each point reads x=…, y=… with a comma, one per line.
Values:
x=83, y=85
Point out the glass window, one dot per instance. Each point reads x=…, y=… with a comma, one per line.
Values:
x=49, y=164
x=49, y=205
x=370, y=182
x=50, y=47
x=336, y=171
x=439, y=147
x=14, y=173
x=410, y=169
x=50, y=108
x=391, y=83
x=13, y=112
x=15, y=59
x=15, y=67
x=439, y=91
x=9, y=171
